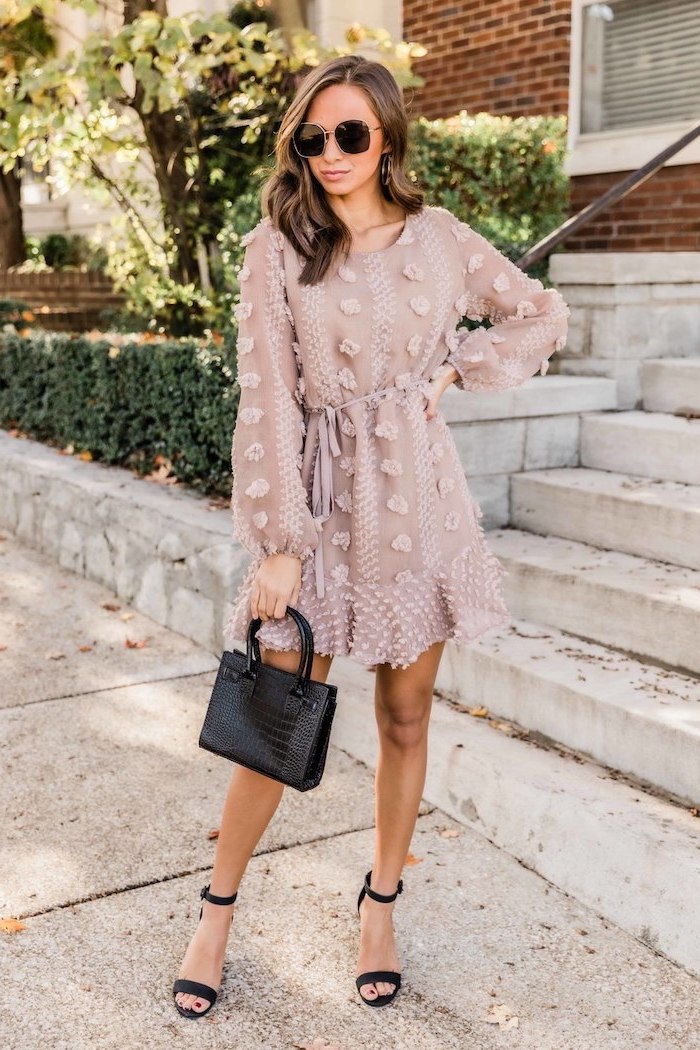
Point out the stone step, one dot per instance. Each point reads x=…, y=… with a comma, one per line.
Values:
x=647, y=608
x=548, y=395
x=671, y=385
x=642, y=516
x=648, y=444
x=634, y=717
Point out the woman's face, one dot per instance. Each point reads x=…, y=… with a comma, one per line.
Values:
x=329, y=107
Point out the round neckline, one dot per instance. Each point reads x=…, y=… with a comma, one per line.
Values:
x=378, y=251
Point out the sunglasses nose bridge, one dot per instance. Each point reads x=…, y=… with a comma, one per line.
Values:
x=329, y=135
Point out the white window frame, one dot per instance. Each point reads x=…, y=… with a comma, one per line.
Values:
x=621, y=149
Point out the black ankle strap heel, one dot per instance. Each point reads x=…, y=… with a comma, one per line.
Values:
x=196, y=987
x=390, y=976
x=213, y=899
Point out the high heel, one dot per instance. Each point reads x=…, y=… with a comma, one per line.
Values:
x=195, y=987
x=390, y=976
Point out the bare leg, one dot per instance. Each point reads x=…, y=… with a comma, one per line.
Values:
x=250, y=804
x=403, y=700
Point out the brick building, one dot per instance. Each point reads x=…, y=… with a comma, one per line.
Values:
x=626, y=73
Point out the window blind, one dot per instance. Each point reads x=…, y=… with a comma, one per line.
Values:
x=641, y=63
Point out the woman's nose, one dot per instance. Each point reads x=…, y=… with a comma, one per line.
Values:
x=332, y=150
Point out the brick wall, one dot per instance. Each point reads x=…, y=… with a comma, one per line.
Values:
x=663, y=214
x=511, y=57
x=501, y=56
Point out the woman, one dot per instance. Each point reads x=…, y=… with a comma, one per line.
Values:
x=347, y=487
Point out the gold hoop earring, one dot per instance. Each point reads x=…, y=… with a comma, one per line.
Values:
x=386, y=168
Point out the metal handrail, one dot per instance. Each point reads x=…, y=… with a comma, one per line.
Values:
x=611, y=196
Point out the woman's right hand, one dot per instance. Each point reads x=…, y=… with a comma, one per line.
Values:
x=276, y=585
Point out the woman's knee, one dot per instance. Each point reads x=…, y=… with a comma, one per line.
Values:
x=403, y=725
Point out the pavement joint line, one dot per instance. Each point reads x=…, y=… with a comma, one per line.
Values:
x=194, y=871
x=105, y=689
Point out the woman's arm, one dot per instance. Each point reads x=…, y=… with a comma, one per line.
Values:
x=270, y=511
x=529, y=322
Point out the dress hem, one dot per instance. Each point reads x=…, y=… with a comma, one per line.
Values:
x=395, y=623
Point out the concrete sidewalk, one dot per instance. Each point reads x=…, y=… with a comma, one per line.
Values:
x=108, y=803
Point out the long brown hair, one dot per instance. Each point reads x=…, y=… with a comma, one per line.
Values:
x=294, y=199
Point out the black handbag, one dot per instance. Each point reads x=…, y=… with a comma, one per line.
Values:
x=273, y=721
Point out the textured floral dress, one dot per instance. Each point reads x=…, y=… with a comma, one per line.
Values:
x=333, y=458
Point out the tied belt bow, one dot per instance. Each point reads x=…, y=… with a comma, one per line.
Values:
x=328, y=447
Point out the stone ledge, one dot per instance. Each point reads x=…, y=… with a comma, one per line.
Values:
x=548, y=395
x=625, y=268
x=161, y=549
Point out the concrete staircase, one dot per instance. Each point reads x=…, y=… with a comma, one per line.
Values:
x=603, y=564
x=595, y=686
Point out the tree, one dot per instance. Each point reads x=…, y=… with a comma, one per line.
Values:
x=28, y=38
x=162, y=114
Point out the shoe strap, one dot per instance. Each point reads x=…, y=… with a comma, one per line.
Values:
x=382, y=898
x=195, y=988
x=213, y=899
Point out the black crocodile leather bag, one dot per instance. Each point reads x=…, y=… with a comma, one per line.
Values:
x=273, y=721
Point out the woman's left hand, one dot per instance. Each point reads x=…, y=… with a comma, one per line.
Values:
x=441, y=378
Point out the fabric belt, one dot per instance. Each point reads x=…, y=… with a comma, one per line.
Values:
x=328, y=447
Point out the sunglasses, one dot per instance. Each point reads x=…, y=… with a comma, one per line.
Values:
x=351, y=136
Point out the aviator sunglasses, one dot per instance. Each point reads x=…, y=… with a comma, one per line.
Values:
x=351, y=136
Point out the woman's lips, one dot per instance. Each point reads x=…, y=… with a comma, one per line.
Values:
x=334, y=174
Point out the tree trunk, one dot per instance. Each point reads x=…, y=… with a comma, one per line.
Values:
x=166, y=142
x=12, y=249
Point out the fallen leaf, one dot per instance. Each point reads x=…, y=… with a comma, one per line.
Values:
x=84, y=648
x=55, y=656
x=111, y=606
x=449, y=833
x=478, y=712
x=127, y=616
x=86, y=455
x=130, y=643
x=501, y=1015
x=12, y=925
x=411, y=860
x=213, y=834
x=3, y=648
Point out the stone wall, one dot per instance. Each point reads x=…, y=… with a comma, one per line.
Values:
x=627, y=307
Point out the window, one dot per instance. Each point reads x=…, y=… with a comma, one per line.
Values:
x=640, y=64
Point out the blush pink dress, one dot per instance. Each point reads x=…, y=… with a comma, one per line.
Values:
x=333, y=458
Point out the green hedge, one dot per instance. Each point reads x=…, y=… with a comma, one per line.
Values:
x=502, y=175
x=126, y=404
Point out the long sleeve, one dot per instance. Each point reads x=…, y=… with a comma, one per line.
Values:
x=529, y=322
x=270, y=511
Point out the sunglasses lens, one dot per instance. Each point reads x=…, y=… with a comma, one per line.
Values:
x=352, y=136
x=309, y=140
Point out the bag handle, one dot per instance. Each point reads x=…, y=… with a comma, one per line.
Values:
x=301, y=686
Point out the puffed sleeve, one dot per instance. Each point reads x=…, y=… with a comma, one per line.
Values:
x=268, y=500
x=529, y=322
